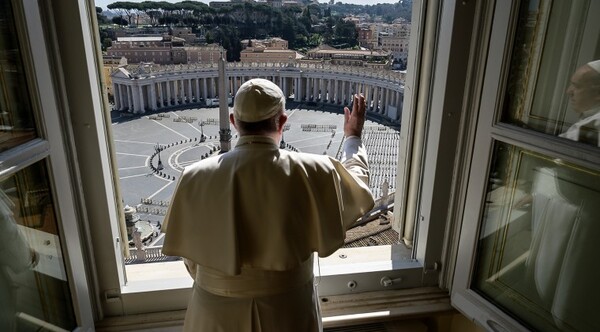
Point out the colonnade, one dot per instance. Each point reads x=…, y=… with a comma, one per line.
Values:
x=164, y=88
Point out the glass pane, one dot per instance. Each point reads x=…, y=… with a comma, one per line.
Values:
x=539, y=239
x=165, y=113
x=554, y=77
x=16, y=115
x=34, y=291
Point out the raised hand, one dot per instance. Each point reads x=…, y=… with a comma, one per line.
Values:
x=355, y=120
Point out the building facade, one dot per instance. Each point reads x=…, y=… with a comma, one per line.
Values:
x=272, y=50
x=360, y=58
x=156, y=49
x=109, y=65
x=158, y=87
x=165, y=50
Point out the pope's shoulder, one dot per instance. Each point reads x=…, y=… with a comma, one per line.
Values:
x=217, y=162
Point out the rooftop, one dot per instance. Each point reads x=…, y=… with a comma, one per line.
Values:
x=142, y=39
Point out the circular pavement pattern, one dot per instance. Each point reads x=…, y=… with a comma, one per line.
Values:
x=152, y=149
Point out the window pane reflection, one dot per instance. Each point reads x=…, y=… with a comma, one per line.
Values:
x=537, y=245
x=554, y=77
x=16, y=115
x=34, y=291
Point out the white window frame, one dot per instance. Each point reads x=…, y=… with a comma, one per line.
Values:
x=51, y=148
x=428, y=169
x=493, y=75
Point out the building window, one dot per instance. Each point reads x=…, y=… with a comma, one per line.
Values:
x=424, y=267
x=534, y=200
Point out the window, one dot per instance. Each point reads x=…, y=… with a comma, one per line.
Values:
x=426, y=177
x=39, y=244
x=529, y=227
x=392, y=262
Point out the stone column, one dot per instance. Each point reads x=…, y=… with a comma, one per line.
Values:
x=175, y=92
x=122, y=96
x=316, y=89
x=213, y=88
x=168, y=88
x=197, y=83
x=161, y=95
x=371, y=97
x=152, y=99
x=335, y=94
x=376, y=100
x=189, y=90
x=297, y=89
x=349, y=93
x=142, y=99
x=116, y=96
x=234, y=80
x=135, y=97
x=388, y=93
x=181, y=92
x=204, y=89
x=118, y=88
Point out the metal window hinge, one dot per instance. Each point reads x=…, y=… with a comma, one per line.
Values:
x=435, y=267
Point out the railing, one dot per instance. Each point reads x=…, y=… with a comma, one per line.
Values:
x=147, y=70
x=154, y=254
x=148, y=255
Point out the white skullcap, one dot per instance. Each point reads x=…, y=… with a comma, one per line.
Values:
x=595, y=65
x=257, y=100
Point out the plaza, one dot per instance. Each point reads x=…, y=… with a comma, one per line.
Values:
x=153, y=148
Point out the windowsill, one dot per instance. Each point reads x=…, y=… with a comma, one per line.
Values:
x=340, y=310
x=361, y=270
x=151, y=277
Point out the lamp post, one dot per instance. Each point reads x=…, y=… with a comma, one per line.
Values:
x=202, y=136
x=160, y=166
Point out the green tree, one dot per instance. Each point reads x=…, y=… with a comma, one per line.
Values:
x=126, y=8
x=228, y=37
x=152, y=9
x=106, y=43
x=119, y=20
x=345, y=34
x=100, y=17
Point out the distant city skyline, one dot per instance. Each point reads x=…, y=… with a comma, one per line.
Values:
x=104, y=3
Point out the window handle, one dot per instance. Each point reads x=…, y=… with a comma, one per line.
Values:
x=387, y=281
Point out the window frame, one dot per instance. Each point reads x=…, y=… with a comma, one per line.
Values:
x=114, y=295
x=51, y=148
x=499, y=31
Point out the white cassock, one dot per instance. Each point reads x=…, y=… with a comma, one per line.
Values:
x=587, y=129
x=247, y=223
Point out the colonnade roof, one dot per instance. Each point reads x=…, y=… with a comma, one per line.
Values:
x=148, y=70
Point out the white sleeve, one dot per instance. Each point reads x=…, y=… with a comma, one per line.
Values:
x=354, y=158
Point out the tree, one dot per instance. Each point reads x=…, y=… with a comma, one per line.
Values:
x=101, y=18
x=345, y=34
x=119, y=20
x=228, y=37
x=126, y=8
x=106, y=43
x=306, y=19
x=152, y=9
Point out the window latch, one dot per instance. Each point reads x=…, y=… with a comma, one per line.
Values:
x=387, y=281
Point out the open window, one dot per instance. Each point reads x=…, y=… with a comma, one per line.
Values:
x=82, y=161
x=530, y=220
x=42, y=270
x=418, y=150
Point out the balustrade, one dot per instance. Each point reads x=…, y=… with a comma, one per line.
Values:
x=187, y=82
